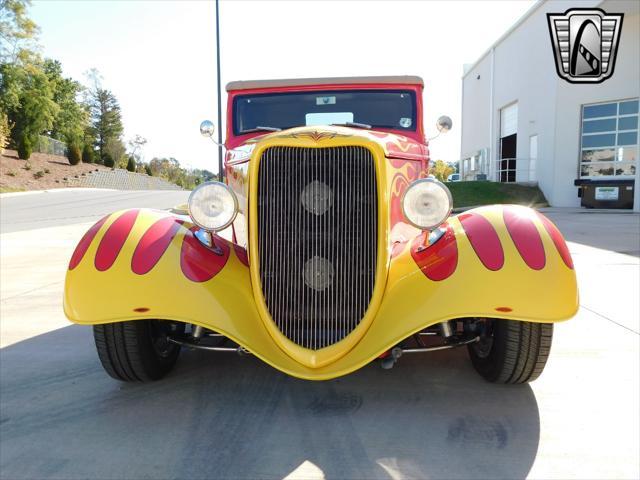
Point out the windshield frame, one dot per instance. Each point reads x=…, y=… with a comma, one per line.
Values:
x=328, y=90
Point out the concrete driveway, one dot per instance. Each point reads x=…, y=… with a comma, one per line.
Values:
x=52, y=208
x=224, y=416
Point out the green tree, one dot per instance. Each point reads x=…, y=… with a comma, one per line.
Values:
x=5, y=131
x=167, y=168
x=72, y=119
x=131, y=164
x=441, y=170
x=203, y=175
x=106, y=120
x=18, y=33
x=87, y=153
x=108, y=161
x=26, y=95
x=24, y=148
x=74, y=154
x=116, y=150
x=170, y=170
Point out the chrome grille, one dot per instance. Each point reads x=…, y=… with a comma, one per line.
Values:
x=317, y=240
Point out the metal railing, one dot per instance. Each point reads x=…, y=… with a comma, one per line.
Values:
x=505, y=170
x=515, y=170
x=51, y=146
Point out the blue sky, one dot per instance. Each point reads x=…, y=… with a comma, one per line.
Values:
x=158, y=57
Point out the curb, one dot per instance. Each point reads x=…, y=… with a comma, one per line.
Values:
x=536, y=206
x=53, y=190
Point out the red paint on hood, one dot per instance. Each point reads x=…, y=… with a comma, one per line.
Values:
x=153, y=244
x=199, y=263
x=114, y=239
x=484, y=240
x=438, y=261
x=84, y=243
x=525, y=236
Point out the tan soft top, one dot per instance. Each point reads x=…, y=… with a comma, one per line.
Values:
x=299, y=82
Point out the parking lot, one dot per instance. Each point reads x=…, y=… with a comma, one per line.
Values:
x=225, y=416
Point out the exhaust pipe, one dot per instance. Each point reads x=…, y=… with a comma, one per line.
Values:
x=447, y=329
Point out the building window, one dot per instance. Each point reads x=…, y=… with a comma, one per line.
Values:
x=609, y=143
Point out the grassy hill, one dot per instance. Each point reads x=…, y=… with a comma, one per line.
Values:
x=467, y=194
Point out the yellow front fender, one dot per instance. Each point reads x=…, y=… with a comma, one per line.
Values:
x=501, y=262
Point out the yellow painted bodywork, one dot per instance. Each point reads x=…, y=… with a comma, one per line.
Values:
x=404, y=300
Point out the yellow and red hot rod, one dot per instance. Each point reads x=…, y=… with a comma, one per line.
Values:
x=338, y=250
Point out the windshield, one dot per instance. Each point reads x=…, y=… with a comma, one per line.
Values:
x=392, y=109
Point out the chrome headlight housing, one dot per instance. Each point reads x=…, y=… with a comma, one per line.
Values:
x=427, y=203
x=213, y=206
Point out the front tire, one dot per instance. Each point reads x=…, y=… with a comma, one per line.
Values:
x=512, y=351
x=136, y=351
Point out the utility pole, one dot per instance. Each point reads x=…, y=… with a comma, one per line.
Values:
x=220, y=160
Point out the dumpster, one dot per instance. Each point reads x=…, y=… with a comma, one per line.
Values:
x=605, y=193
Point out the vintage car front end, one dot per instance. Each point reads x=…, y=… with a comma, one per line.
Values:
x=327, y=269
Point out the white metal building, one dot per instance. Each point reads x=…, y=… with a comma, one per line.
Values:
x=521, y=122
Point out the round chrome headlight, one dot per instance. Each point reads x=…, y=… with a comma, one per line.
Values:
x=427, y=203
x=213, y=206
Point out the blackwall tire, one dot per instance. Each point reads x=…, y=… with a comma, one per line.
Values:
x=517, y=353
x=135, y=351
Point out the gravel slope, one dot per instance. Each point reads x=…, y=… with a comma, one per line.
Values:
x=40, y=172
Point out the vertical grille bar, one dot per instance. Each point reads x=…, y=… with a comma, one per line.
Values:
x=317, y=229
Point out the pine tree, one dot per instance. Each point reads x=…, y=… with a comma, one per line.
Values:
x=106, y=118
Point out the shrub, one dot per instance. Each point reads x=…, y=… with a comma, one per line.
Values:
x=11, y=173
x=74, y=154
x=5, y=131
x=46, y=170
x=38, y=174
x=107, y=160
x=131, y=164
x=24, y=148
x=27, y=166
x=123, y=161
x=441, y=170
x=87, y=154
x=148, y=170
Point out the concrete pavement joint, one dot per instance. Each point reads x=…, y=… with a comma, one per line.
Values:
x=607, y=318
x=54, y=190
x=58, y=218
x=169, y=209
x=87, y=203
x=3, y=300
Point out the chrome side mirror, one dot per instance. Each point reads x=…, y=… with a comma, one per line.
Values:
x=444, y=124
x=207, y=129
